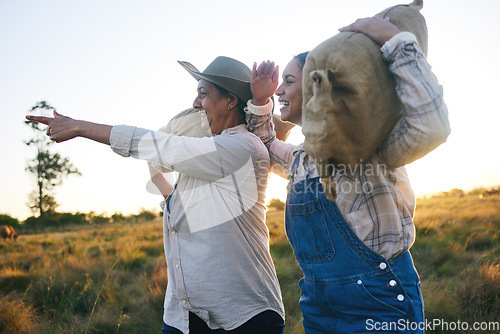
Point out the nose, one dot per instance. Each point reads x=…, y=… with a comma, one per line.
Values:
x=197, y=103
x=280, y=91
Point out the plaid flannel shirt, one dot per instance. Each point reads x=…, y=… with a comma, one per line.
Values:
x=377, y=200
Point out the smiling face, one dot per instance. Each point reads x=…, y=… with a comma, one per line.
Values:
x=214, y=104
x=290, y=93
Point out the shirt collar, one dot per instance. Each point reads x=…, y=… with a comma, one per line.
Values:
x=237, y=128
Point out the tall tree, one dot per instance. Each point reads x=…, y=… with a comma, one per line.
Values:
x=48, y=168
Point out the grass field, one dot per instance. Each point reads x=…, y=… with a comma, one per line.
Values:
x=111, y=278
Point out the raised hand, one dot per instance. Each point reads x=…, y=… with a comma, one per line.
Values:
x=378, y=29
x=264, y=82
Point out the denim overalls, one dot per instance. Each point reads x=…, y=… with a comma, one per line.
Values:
x=347, y=287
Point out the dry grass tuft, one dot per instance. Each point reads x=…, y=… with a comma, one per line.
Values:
x=17, y=316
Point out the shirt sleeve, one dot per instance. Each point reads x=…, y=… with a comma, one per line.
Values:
x=424, y=123
x=260, y=122
x=209, y=158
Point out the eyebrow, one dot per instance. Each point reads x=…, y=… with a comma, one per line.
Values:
x=290, y=76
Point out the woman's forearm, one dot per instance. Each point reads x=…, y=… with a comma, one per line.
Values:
x=62, y=128
x=94, y=131
x=159, y=181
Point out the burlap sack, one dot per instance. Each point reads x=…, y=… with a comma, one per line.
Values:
x=186, y=123
x=350, y=103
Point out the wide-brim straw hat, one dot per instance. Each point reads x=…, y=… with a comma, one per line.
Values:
x=229, y=73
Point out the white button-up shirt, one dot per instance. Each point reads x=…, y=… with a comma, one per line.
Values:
x=215, y=238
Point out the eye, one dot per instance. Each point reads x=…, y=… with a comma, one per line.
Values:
x=316, y=77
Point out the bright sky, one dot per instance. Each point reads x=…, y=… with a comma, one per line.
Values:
x=114, y=62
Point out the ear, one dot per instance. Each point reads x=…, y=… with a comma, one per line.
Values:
x=233, y=101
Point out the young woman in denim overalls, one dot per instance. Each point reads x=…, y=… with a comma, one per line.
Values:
x=359, y=276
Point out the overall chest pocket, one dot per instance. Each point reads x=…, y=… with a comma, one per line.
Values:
x=308, y=233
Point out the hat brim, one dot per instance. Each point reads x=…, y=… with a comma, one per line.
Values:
x=237, y=87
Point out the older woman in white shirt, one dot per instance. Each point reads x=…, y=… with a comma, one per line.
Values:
x=220, y=272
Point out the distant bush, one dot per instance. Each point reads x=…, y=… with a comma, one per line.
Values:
x=56, y=219
x=276, y=203
x=70, y=218
x=117, y=217
x=93, y=218
x=145, y=215
x=8, y=220
x=482, y=192
x=32, y=223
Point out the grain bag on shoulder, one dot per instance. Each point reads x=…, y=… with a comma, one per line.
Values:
x=349, y=98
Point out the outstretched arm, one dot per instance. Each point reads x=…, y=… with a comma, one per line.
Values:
x=209, y=158
x=62, y=128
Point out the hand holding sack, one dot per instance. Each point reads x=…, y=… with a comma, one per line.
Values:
x=349, y=98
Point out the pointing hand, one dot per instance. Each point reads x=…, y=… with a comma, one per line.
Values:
x=60, y=128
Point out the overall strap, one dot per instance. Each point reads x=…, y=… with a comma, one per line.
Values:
x=295, y=165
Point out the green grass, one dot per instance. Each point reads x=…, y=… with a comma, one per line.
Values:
x=457, y=254
x=51, y=281
x=56, y=278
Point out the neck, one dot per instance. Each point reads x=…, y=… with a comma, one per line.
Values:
x=230, y=121
x=296, y=122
